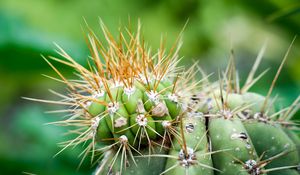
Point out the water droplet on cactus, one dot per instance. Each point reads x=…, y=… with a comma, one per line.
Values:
x=242, y=136
x=189, y=127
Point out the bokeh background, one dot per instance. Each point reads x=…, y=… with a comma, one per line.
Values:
x=28, y=29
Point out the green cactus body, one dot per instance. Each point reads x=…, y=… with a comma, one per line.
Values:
x=198, y=159
x=234, y=100
x=256, y=102
x=131, y=100
x=103, y=133
x=231, y=136
x=144, y=115
x=97, y=108
x=294, y=137
x=151, y=99
x=271, y=140
x=173, y=105
x=194, y=130
x=117, y=121
x=116, y=93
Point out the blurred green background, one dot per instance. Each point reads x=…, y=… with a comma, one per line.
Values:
x=28, y=29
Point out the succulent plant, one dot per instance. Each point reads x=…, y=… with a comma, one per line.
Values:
x=141, y=113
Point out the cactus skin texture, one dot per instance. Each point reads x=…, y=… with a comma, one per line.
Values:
x=137, y=112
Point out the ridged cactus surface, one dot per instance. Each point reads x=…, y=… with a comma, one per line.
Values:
x=137, y=112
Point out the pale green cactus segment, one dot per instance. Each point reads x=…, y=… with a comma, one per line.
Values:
x=253, y=101
x=256, y=101
x=211, y=102
x=173, y=105
x=103, y=132
x=231, y=136
x=200, y=164
x=154, y=96
x=140, y=85
x=153, y=166
x=194, y=131
x=271, y=140
x=211, y=105
x=208, y=105
x=161, y=88
x=148, y=165
x=294, y=137
x=97, y=108
x=116, y=94
x=131, y=99
x=234, y=101
x=151, y=99
x=117, y=118
x=191, y=155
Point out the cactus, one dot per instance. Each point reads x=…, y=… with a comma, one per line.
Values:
x=137, y=112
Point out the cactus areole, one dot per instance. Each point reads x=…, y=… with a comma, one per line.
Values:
x=137, y=112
